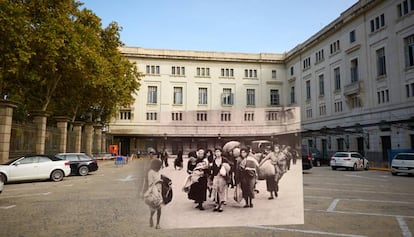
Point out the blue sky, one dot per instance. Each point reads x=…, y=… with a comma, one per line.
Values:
x=259, y=26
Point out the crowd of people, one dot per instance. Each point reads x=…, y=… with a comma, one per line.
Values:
x=212, y=173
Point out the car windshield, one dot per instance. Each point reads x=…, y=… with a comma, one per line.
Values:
x=405, y=157
x=11, y=161
x=341, y=155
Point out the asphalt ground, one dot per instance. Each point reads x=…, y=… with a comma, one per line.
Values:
x=108, y=203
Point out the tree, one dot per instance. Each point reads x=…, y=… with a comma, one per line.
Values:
x=57, y=58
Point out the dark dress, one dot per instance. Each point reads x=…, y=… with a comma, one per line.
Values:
x=198, y=190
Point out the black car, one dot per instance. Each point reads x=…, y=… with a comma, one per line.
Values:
x=80, y=163
x=306, y=161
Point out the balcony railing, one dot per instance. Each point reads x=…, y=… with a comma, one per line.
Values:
x=353, y=88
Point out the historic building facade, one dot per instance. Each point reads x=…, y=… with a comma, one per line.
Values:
x=350, y=87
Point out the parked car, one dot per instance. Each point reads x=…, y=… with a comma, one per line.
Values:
x=306, y=162
x=34, y=167
x=349, y=160
x=403, y=163
x=80, y=163
x=316, y=156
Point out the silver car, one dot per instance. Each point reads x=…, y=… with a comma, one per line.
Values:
x=403, y=163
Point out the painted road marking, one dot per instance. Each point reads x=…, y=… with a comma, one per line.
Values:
x=359, y=213
x=128, y=178
x=360, y=200
x=358, y=191
x=332, y=207
x=363, y=177
x=315, y=232
x=28, y=195
x=7, y=207
x=404, y=228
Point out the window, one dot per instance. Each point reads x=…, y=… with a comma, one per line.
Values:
x=409, y=51
x=381, y=68
x=251, y=97
x=405, y=7
x=177, y=71
x=354, y=70
x=249, y=116
x=178, y=95
x=273, y=74
x=338, y=106
x=335, y=47
x=274, y=97
x=153, y=70
x=308, y=113
x=352, y=37
x=202, y=96
x=322, y=110
x=227, y=72
x=306, y=63
x=125, y=115
x=151, y=116
x=337, y=76
x=292, y=95
x=152, y=94
x=321, y=85
x=377, y=23
x=408, y=88
x=225, y=116
x=227, y=97
x=272, y=115
x=319, y=56
x=308, y=90
x=383, y=96
x=355, y=102
x=203, y=71
x=202, y=116
x=177, y=116
x=250, y=73
x=292, y=71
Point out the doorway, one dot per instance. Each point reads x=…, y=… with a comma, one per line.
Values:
x=386, y=147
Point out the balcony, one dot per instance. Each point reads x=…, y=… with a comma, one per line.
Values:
x=353, y=88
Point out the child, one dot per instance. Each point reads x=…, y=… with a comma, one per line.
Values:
x=153, y=196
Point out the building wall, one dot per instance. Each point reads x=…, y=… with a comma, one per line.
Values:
x=366, y=112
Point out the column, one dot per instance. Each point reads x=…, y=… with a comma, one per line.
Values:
x=104, y=149
x=40, y=120
x=88, y=138
x=62, y=125
x=77, y=128
x=98, y=138
x=6, y=114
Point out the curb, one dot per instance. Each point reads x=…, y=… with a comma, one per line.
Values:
x=380, y=169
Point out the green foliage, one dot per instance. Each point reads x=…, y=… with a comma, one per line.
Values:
x=56, y=57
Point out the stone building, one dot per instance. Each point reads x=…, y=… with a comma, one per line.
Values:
x=348, y=87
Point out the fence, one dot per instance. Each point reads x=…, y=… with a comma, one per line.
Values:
x=23, y=140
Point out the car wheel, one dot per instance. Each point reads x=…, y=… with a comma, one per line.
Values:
x=367, y=166
x=333, y=168
x=394, y=173
x=355, y=167
x=3, y=178
x=57, y=175
x=83, y=170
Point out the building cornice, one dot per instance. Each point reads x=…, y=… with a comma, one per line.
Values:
x=138, y=52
